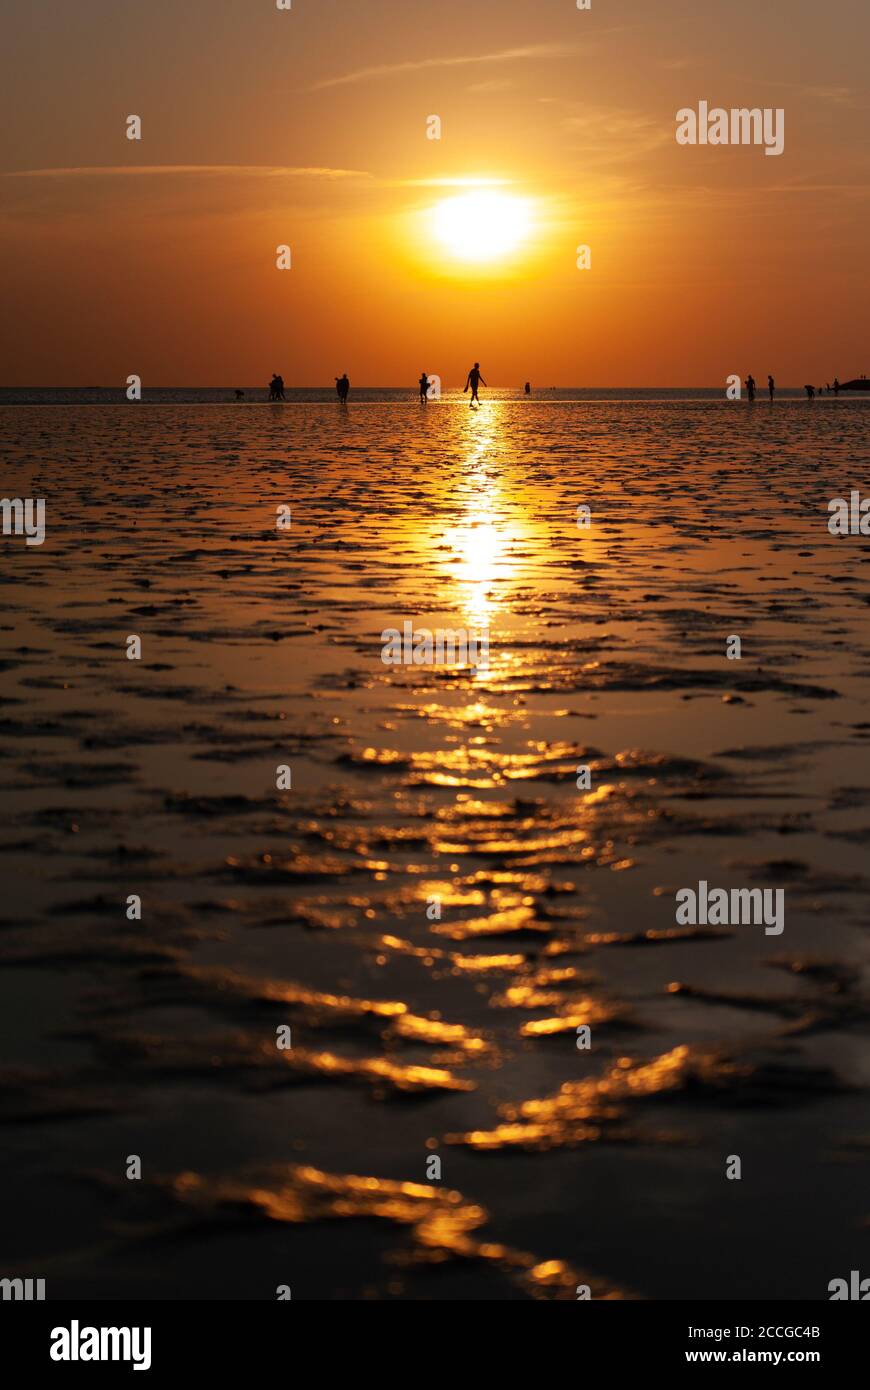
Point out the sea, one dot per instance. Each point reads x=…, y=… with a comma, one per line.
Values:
x=366, y=980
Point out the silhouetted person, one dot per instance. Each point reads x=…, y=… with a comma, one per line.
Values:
x=276, y=385
x=750, y=387
x=424, y=388
x=279, y=389
x=342, y=386
x=528, y=388
x=836, y=386
x=771, y=386
x=473, y=380
x=811, y=391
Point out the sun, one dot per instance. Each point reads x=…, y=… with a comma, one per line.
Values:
x=481, y=226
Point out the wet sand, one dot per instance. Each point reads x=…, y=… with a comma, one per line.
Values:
x=415, y=1036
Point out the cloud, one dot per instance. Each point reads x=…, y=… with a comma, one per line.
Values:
x=494, y=84
x=506, y=55
x=465, y=181
x=610, y=135
x=829, y=95
x=230, y=170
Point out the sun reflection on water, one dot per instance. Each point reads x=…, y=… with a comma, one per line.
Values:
x=479, y=562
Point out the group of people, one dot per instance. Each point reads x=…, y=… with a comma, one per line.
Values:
x=811, y=390
x=342, y=386
x=474, y=381
x=749, y=383
x=276, y=388
x=771, y=388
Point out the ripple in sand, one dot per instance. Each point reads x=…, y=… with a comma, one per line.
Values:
x=257, y=1063
x=593, y=1109
x=440, y=1224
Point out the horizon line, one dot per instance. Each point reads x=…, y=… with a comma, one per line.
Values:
x=412, y=390
x=383, y=386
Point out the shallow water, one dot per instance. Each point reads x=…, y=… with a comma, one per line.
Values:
x=416, y=1035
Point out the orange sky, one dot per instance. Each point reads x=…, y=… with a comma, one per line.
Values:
x=308, y=127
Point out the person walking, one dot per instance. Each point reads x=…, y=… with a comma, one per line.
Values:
x=474, y=380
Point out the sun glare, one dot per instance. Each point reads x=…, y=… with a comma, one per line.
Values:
x=481, y=226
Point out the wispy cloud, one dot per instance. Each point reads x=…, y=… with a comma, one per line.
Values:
x=506, y=55
x=464, y=181
x=611, y=135
x=828, y=94
x=493, y=84
x=207, y=170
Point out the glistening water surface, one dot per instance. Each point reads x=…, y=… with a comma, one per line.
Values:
x=434, y=907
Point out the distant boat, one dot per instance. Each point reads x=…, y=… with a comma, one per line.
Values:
x=860, y=383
